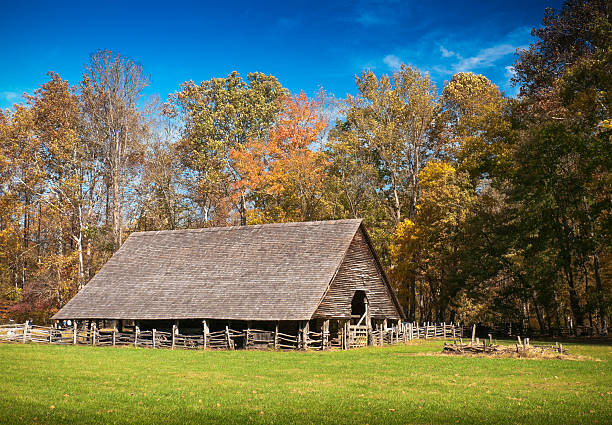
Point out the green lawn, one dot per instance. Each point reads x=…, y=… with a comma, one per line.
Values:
x=401, y=384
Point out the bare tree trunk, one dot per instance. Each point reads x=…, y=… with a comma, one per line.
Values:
x=603, y=311
x=538, y=314
x=243, y=218
x=574, y=300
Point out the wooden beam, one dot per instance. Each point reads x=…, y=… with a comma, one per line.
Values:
x=205, y=333
x=305, y=331
x=325, y=335
x=276, y=336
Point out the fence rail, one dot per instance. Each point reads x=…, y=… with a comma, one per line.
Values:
x=357, y=336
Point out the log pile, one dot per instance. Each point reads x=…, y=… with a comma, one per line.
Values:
x=520, y=349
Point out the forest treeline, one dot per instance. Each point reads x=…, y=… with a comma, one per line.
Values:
x=483, y=207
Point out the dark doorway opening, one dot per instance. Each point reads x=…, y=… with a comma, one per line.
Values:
x=358, y=304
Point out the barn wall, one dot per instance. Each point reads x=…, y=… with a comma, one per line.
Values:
x=358, y=271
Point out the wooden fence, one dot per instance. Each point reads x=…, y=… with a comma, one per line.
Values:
x=349, y=337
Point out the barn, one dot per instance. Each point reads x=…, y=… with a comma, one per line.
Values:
x=310, y=284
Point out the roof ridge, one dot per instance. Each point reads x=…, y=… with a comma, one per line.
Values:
x=249, y=226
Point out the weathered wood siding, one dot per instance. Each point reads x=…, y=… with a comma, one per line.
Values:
x=358, y=271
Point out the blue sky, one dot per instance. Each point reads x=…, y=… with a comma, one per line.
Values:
x=306, y=45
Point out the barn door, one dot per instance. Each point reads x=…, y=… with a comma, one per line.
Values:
x=360, y=320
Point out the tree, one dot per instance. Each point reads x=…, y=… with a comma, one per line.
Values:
x=162, y=201
x=284, y=172
x=429, y=249
x=391, y=117
x=471, y=126
x=58, y=127
x=111, y=91
x=220, y=115
x=567, y=37
x=560, y=182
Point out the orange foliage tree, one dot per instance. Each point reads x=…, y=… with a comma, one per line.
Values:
x=284, y=173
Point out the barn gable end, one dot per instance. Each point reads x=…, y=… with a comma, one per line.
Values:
x=359, y=270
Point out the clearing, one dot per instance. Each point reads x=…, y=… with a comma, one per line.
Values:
x=400, y=384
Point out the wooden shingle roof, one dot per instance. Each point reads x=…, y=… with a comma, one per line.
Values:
x=262, y=272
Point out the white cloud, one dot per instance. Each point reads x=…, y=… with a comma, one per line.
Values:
x=9, y=96
x=393, y=62
x=446, y=53
x=510, y=71
x=485, y=58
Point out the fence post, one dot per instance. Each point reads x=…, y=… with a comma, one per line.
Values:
x=25, y=331
x=136, y=332
x=173, y=336
x=74, y=333
x=153, y=338
x=473, y=332
x=276, y=336
x=305, y=331
x=228, y=337
x=325, y=334
x=114, y=337
x=204, y=332
x=94, y=329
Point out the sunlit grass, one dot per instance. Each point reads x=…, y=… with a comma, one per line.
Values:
x=401, y=384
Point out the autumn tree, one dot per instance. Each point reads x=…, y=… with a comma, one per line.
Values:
x=391, y=117
x=111, y=91
x=471, y=126
x=57, y=123
x=560, y=179
x=428, y=248
x=161, y=193
x=220, y=115
x=284, y=172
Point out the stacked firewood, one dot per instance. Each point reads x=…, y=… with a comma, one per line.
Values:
x=490, y=346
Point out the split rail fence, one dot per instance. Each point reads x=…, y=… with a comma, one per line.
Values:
x=348, y=337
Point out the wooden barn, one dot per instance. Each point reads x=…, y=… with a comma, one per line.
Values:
x=291, y=285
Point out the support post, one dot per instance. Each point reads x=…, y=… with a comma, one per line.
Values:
x=227, y=336
x=114, y=337
x=325, y=335
x=205, y=332
x=93, y=333
x=247, y=334
x=276, y=336
x=174, y=331
x=74, y=332
x=305, y=332
x=136, y=332
x=154, y=331
x=347, y=336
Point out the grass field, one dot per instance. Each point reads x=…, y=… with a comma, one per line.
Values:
x=406, y=384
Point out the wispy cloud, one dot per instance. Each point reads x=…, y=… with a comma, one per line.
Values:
x=9, y=96
x=446, y=53
x=484, y=58
x=393, y=62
